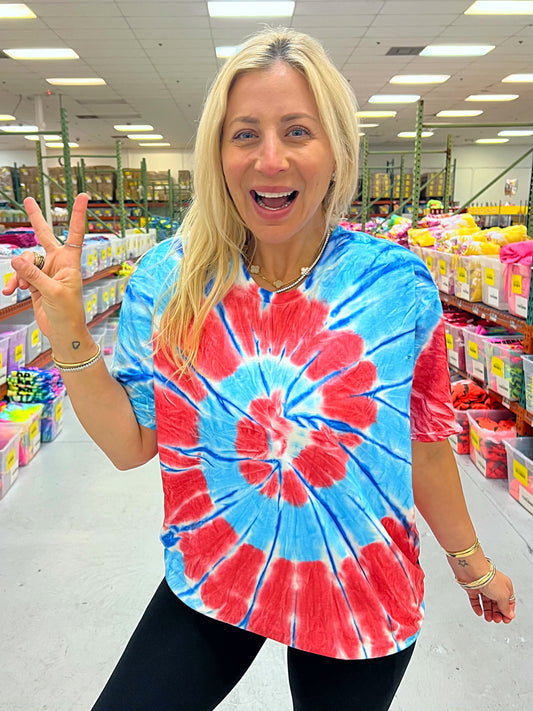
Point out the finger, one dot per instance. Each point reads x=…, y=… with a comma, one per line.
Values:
x=15, y=280
x=29, y=273
x=487, y=608
x=76, y=230
x=475, y=603
x=42, y=229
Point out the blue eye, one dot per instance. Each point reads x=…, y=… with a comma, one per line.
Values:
x=244, y=135
x=298, y=131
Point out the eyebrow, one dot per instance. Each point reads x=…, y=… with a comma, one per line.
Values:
x=284, y=119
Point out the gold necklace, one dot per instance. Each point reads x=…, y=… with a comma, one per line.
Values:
x=280, y=286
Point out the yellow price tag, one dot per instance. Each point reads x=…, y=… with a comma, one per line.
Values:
x=35, y=337
x=429, y=262
x=498, y=366
x=95, y=301
x=472, y=350
x=122, y=289
x=442, y=267
x=7, y=277
x=109, y=252
x=103, y=253
x=19, y=352
x=461, y=275
x=449, y=341
x=10, y=461
x=59, y=411
x=34, y=430
x=489, y=277
x=89, y=306
x=106, y=297
x=1, y=361
x=90, y=260
x=112, y=290
x=516, y=285
x=475, y=439
x=520, y=472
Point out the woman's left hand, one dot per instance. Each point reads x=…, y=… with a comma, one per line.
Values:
x=495, y=601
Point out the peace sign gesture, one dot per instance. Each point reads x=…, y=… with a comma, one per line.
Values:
x=56, y=285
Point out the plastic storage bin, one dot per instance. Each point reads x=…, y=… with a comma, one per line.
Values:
x=27, y=418
x=468, y=281
x=455, y=345
x=89, y=260
x=34, y=345
x=520, y=281
x=52, y=418
x=9, y=456
x=102, y=297
x=504, y=368
x=461, y=442
x=486, y=446
x=478, y=355
x=6, y=270
x=90, y=302
x=527, y=364
x=4, y=347
x=445, y=272
x=493, y=283
x=16, y=351
x=520, y=470
x=431, y=259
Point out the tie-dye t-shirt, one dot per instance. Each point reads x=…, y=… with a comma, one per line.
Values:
x=286, y=455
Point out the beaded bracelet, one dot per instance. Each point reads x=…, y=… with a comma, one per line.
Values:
x=468, y=551
x=480, y=582
x=73, y=367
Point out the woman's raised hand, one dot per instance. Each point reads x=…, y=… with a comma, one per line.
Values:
x=56, y=290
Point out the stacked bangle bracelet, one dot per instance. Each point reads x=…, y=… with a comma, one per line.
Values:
x=468, y=551
x=480, y=582
x=73, y=367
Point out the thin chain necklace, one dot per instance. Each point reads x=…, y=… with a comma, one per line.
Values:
x=280, y=286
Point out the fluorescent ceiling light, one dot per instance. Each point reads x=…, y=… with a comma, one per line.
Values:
x=419, y=79
x=515, y=133
x=500, y=7
x=81, y=81
x=227, y=51
x=16, y=11
x=518, y=78
x=456, y=50
x=361, y=133
x=460, y=114
x=145, y=136
x=49, y=137
x=250, y=9
x=491, y=97
x=393, y=99
x=368, y=125
x=154, y=145
x=19, y=129
x=60, y=145
x=492, y=140
x=7, y=117
x=412, y=134
x=135, y=127
x=376, y=114
x=42, y=53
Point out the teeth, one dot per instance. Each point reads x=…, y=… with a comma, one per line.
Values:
x=273, y=195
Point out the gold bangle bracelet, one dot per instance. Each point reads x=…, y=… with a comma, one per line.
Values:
x=81, y=365
x=480, y=582
x=468, y=551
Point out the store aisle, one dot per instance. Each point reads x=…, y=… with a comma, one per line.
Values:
x=80, y=558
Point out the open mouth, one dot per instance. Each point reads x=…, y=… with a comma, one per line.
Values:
x=274, y=201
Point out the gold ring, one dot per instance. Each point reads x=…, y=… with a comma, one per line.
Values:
x=38, y=260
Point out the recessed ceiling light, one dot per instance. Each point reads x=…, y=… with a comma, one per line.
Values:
x=251, y=9
x=500, y=7
x=154, y=145
x=462, y=113
x=81, y=81
x=393, y=99
x=42, y=53
x=376, y=114
x=227, y=51
x=7, y=117
x=412, y=134
x=60, y=145
x=419, y=79
x=515, y=133
x=491, y=97
x=145, y=136
x=518, y=78
x=16, y=11
x=19, y=129
x=134, y=127
x=368, y=125
x=456, y=50
x=492, y=140
x=49, y=137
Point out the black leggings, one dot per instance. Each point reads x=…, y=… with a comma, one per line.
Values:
x=181, y=660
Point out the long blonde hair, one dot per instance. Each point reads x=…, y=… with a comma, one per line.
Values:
x=213, y=233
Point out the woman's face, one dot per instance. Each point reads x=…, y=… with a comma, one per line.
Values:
x=276, y=157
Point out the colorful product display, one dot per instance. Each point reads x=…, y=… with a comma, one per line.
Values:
x=488, y=429
x=520, y=470
x=27, y=417
x=467, y=395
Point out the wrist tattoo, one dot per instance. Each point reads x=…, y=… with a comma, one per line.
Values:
x=76, y=345
x=463, y=563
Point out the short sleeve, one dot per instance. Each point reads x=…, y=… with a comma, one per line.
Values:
x=133, y=360
x=432, y=418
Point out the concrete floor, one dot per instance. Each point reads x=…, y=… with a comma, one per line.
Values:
x=80, y=559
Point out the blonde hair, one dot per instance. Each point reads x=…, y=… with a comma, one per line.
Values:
x=213, y=232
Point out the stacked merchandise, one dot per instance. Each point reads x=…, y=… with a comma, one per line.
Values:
x=467, y=395
x=488, y=430
x=520, y=470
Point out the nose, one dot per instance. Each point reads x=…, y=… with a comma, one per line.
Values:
x=272, y=157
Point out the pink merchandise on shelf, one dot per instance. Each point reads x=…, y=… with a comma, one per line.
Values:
x=520, y=470
x=518, y=281
x=488, y=430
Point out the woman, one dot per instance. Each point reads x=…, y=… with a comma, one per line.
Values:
x=292, y=377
